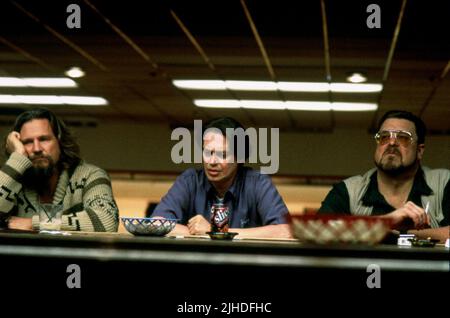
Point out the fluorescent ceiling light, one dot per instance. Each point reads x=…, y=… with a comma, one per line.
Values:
x=8, y=99
x=37, y=82
x=251, y=85
x=218, y=103
x=83, y=100
x=351, y=107
x=303, y=87
x=12, y=82
x=355, y=88
x=53, y=100
x=38, y=99
x=50, y=82
x=274, y=86
x=200, y=84
x=281, y=105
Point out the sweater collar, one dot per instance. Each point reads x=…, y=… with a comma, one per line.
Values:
x=60, y=192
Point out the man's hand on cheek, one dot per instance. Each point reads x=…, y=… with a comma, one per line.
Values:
x=13, y=143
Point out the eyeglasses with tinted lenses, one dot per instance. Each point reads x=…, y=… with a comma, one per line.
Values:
x=404, y=138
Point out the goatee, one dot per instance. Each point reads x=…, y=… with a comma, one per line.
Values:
x=396, y=170
x=38, y=177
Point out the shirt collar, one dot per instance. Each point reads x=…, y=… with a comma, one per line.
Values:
x=420, y=187
x=234, y=188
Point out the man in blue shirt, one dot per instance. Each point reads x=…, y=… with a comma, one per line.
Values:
x=255, y=207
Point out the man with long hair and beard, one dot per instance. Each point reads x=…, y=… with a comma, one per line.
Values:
x=44, y=166
x=399, y=188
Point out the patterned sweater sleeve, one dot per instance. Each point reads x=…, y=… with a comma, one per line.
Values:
x=98, y=211
x=10, y=180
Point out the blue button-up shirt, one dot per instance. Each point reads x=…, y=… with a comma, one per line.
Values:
x=252, y=199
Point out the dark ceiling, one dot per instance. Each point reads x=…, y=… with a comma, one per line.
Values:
x=136, y=78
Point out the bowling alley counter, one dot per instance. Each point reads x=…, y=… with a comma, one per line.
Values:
x=240, y=266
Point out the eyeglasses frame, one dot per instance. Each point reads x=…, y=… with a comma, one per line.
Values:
x=393, y=134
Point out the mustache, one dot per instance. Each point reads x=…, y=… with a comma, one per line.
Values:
x=40, y=157
x=212, y=167
x=391, y=150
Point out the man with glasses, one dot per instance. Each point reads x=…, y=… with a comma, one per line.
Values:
x=253, y=204
x=415, y=198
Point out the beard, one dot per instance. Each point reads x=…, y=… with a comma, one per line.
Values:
x=393, y=167
x=38, y=176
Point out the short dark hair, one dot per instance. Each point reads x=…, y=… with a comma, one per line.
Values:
x=421, y=129
x=70, y=150
x=222, y=123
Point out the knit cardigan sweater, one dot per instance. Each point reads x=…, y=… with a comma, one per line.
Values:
x=86, y=196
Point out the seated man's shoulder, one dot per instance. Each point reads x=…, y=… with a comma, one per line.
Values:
x=85, y=169
x=359, y=177
x=191, y=176
x=190, y=173
x=439, y=175
x=355, y=178
x=248, y=172
x=254, y=175
x=437, y=171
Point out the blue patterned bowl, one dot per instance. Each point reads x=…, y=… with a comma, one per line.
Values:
x=149, y=226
